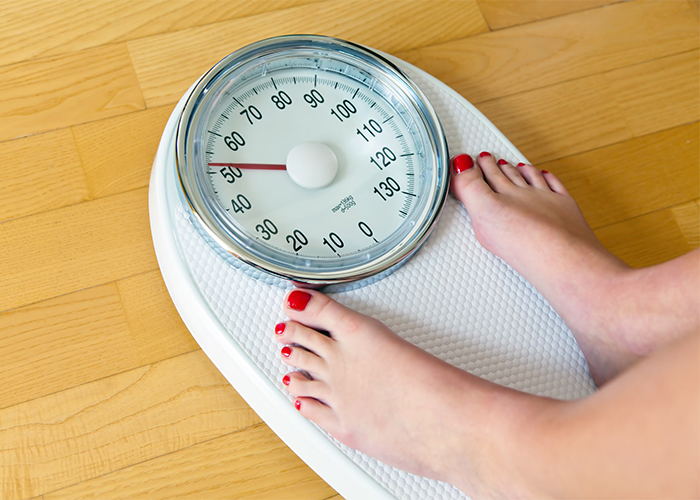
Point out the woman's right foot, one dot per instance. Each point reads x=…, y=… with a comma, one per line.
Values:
x=526, y=217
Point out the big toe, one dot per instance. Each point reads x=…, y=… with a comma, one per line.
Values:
x=467, y=183
x=320, y=312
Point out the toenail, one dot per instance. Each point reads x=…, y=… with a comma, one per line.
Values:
x=462, y=163
x=502, y=162
x=297, y=300
x=279, y=328
x=484, y=153
x=545, y=172
x=285, y=380
x=521, y=164
x=297, y=404
x=286, y=351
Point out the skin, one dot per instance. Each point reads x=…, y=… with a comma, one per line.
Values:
x=637, y=437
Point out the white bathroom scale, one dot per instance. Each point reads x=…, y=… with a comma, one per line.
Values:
x=451, y=298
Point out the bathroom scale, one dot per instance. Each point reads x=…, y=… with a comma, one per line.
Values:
x=315, y=162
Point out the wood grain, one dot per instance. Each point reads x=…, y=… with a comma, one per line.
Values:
x=687, y=216
x=117, y=153
x=528, y=119
x=81, y=246
x=501, y=14
x=658, y=94
x=116, y=422
x=646, y=240
x=36, y=28
x=46, y=94
x=165, y=71
x=238, y=465
x=105, y=392
x=63, y=342
x=496, y=64
x=156, y=327
x=40, y=173
x=633, y=177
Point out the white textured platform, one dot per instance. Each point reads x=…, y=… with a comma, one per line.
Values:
x=453, y=299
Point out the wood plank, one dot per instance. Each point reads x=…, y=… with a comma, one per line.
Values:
x=658, y=94
x=53, y=93
x=501, y=14
x=646, y=240
x=156, y=328
x=634, y=177
x=117, y=153
x=252, y=463
x=561, y=120
x=63, y=342
x=40, y=173
x=524, y=58
x=117, y=422
x=36, y=28
x=687, y=216
x=165, y=71
x=72, y=248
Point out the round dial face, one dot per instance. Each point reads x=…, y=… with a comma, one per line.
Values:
x=310, y=163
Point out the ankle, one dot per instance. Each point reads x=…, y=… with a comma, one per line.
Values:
x=500, y=420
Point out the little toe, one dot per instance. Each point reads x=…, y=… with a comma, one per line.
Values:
x=533, y=176
x=492, y=172
x=319, y=413
x=467, y=183
x=291, y=332
x=300, y=386
x=554, y=183
x=512, y=173
x=298, y=357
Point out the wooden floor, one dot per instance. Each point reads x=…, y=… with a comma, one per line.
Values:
x=103, y=392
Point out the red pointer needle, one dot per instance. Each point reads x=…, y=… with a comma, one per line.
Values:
x=257, y=166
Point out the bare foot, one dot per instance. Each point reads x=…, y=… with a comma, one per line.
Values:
x=378, y=393
x=526, y=217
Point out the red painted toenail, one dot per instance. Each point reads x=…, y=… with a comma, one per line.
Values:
x=484, y=153
x=286, y=351
x=521, y=164
x=285, y=380
x=297, y=300
x=502, y=162
x=545, y=172
x=462, y=163
x=297, y=404
x=279, y=328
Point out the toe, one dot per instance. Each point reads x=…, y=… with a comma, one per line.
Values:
x=298, y=357
x=554, y=183
x=292, y=332
x=492, y=172
x=320, y=312
x=319, y=413
x=467, y=183
x=533, y=176
x=512, y=173
x=300, y=386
